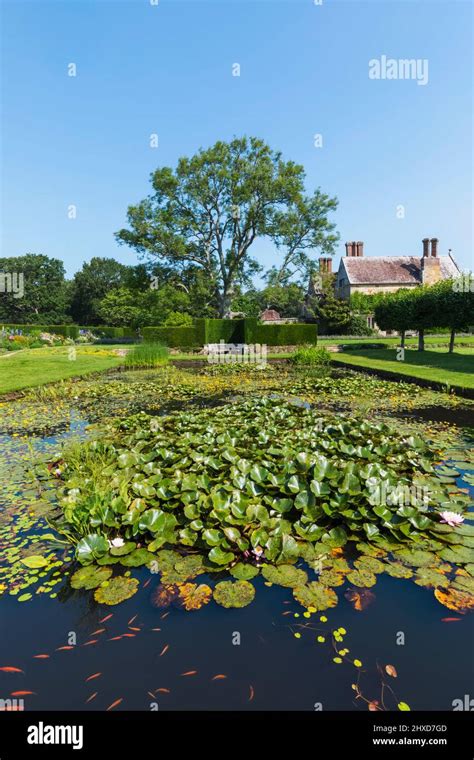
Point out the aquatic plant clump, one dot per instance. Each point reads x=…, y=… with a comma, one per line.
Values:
x=261, y=481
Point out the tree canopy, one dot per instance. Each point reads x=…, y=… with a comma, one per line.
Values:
x=211, y=209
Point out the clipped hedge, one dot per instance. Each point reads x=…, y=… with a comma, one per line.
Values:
x=173, y=337
x=228, y=330
x=248, y=330
x=293, y=334
x=67, y=331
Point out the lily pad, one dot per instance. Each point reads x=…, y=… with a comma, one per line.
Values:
x=331, y=578
x=459, y=555
x=90, y=576
x=455, y=599
x=315, y=595
x=369, y=563
x=34, y=561
x=430, y=577
x=193, y=596
x=120, y=551
x=244, y=572
x=234, y=593
x=397, y=570
x=117, y=590
x=137, y=558
x=362, y=578
x=284, y=575
x=417, y=557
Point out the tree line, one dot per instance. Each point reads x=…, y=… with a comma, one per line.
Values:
x=447, y=305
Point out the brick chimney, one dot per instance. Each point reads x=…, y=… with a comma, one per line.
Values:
x=430, y=265
x=359, y=248
x=325, y=265
x=426, y=247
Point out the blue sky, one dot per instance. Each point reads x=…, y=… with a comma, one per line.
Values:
x=167, y=69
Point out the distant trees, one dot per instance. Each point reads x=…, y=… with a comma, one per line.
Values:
x=447, y=305
x=42, y=293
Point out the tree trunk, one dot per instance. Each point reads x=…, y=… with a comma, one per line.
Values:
x=421, y=340
x=451, y=340
x=402, y=339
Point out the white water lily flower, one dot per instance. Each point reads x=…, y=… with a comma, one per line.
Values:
x=116, y=543
x=451, y=518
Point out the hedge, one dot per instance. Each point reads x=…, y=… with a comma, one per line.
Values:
x=291, y=334
x=103, y=331
x=249, y=330
x=175, y=337
x=67, y=331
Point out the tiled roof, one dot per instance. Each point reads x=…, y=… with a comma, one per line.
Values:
x=388, y=270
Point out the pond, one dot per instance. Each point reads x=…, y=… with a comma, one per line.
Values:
x=61, y=649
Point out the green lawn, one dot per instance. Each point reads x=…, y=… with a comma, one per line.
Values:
x=38, y=366
x=436, y=365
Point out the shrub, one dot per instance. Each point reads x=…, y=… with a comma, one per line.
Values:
x=147, y=355
x=178, y=319
x=310, y=356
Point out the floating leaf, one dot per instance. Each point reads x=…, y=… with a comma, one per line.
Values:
x=430, y=577
x=284, y=575
x=34, y=561
x=360, y=598
x=391, y=670
x=454, y=599
x=234, y=593
x=90, y=576
x=315, y=595
x=362, y=578
x=193, y=597
x=244, y=572
x=118, y=590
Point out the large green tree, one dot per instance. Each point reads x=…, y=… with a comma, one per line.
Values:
x=97, y=277
x=43, y=297
x=211, y=209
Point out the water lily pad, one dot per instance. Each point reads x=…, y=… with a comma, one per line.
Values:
x=193, y=596
x=284, y=575
x=362, y=578
x=369, y=563
x=117, y=590
x=331, y=578
x=397, y=570
x=459, y=555
x=234, y=593
x=417, y=557
x=34, y=561
x=430, y=577
x=244, y=572
x=315, y=595
x=121, y=551
x=137, y=558
x=455, y=599
x=90, y=576
x=190, y=566
x=464, y=583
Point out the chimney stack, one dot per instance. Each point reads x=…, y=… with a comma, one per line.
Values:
x=426, y=247
x=348, y=249
x=325, y=265
x=359, y=248
x=434, y=247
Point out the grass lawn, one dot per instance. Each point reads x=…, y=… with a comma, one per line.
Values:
x=25, y=369
x=436, y=365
